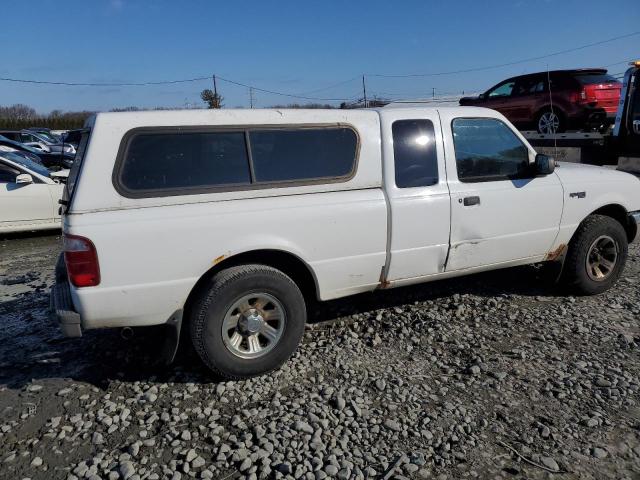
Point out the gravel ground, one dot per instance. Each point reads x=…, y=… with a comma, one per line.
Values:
x=492, y=376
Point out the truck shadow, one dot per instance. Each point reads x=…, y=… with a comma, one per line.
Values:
x=32, y=348
x=524, y=281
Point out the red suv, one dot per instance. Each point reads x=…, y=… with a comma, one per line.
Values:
x=579, y=99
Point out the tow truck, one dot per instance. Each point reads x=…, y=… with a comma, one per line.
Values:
x=620, y=146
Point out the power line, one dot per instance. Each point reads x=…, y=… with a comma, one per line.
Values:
x=619, y=63
x=306, y=96
x=87, y=84
x=530, y=59
x=331, y=86
x=273, y=92
x=166, y=82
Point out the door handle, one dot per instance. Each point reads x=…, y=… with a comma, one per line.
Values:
x=469, y=201
x=636, y=127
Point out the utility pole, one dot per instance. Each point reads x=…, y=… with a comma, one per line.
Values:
x=215, y=87
x=433, y=92
x=364, y=92
x=251, y=96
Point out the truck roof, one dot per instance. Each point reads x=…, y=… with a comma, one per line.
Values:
x=265, y=115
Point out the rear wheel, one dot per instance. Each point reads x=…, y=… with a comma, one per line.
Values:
x=597, y=255
x=549, y=122
x=249, y=321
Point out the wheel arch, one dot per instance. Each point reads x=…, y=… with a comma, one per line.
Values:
x=612, y=210
x=288, y=263
x=621, y=215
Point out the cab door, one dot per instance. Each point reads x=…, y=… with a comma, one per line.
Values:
x=23, y=203
x=501, y=213
x=416, y=186
x=526, y=95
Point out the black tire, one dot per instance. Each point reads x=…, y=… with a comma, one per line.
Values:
x=575, y=273
x=561, y=120
x=209, y=311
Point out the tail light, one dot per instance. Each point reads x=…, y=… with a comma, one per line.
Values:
x=579, y=97
x=81, y=259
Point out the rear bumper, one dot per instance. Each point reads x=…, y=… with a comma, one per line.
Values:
x=61, y=305
x=634, y=220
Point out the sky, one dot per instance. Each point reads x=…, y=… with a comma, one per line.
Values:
x=316, y=49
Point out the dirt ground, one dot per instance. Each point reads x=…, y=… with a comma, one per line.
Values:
x=493, y=376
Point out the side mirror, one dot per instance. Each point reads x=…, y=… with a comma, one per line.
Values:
x=24, y=178
x=482, y=96
x=544, y=164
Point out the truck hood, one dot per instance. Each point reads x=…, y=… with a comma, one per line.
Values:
x=578, y=172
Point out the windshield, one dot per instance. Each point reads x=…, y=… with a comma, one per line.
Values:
x=27, y=163
x=47, y=137
x=19, y=146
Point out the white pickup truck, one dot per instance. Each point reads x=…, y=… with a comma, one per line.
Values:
x=227, y=224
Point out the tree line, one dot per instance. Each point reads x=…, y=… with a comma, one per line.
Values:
x=19, y=116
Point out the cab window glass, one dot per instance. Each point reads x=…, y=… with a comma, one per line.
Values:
x=8, y=174
x=503, y=90
x=487, y=150
x=414, y=153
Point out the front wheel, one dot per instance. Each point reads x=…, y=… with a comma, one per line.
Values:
x=248, y=322
x=596, y=256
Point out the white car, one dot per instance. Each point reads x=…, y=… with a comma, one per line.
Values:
x=29, y=194
x=233, y=222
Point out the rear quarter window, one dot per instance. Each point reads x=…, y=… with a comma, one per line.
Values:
x=302, y=154
x=596, y=79
x=171, y=161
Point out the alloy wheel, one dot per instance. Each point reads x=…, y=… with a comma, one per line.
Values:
x=549, y=122
x=253, y=325
x=602, y=257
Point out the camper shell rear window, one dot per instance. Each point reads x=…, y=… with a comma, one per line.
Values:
x=166, y=161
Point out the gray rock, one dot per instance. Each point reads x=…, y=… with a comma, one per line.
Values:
x=303, y=427
x=245, y=465
x=331, y=470
x=126, y=469
x=392, y=425
x=191, y=455
x=150, y=397
x=599, y=452
x=550, y=463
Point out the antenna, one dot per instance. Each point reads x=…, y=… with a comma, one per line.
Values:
x=364, y=92
x=555, y=136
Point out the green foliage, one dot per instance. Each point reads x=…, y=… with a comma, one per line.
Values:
x=213, y=100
